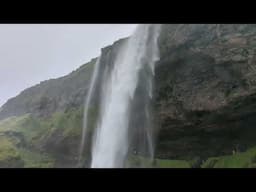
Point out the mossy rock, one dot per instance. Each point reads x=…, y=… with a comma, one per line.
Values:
x=34, y=159
x=9, y=155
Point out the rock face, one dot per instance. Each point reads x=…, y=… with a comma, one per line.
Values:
x=205, y=89
x=204, y=99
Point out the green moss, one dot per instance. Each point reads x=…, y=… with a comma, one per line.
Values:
x=36, y=159
x=7, y=149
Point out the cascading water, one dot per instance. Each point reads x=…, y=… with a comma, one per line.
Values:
x=87, y=106
x=111, y=140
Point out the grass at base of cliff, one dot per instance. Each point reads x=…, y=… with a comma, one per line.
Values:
x=160, y=163
x=239, y=160
x=143, y=162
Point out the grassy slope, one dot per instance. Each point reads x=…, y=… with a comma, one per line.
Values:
x=7, y=150
x=240, y=160
x=35, y=130
x=138, y=161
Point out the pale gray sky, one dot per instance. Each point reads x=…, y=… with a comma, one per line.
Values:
x=30, y=53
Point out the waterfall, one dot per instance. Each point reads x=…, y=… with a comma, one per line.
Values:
x=86, y=108
x=113, y=134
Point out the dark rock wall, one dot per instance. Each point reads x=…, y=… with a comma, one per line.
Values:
x=205, y=86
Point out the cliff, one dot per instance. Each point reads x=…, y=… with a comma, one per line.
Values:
x=204, y=97
x=205, y=89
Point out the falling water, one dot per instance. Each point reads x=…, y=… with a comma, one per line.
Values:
x=111, y=140
x=86, y=108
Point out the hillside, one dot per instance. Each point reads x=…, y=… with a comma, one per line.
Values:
x=52, y=95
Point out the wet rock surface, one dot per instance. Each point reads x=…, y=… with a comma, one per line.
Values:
x=205, y=90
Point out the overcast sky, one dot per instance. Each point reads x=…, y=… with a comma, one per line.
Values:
x=32, y=53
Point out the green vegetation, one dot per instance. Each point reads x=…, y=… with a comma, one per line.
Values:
x=36, y=159
x=11, y=123
x=57, y=135
x=20, y=137
x=240, y=160
x=11, y=156
x=143, y=162
x=7, y=150
x=68, y=123
x=209, y=163
x=171, y=164
x=34, y=129
x=138, y=161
